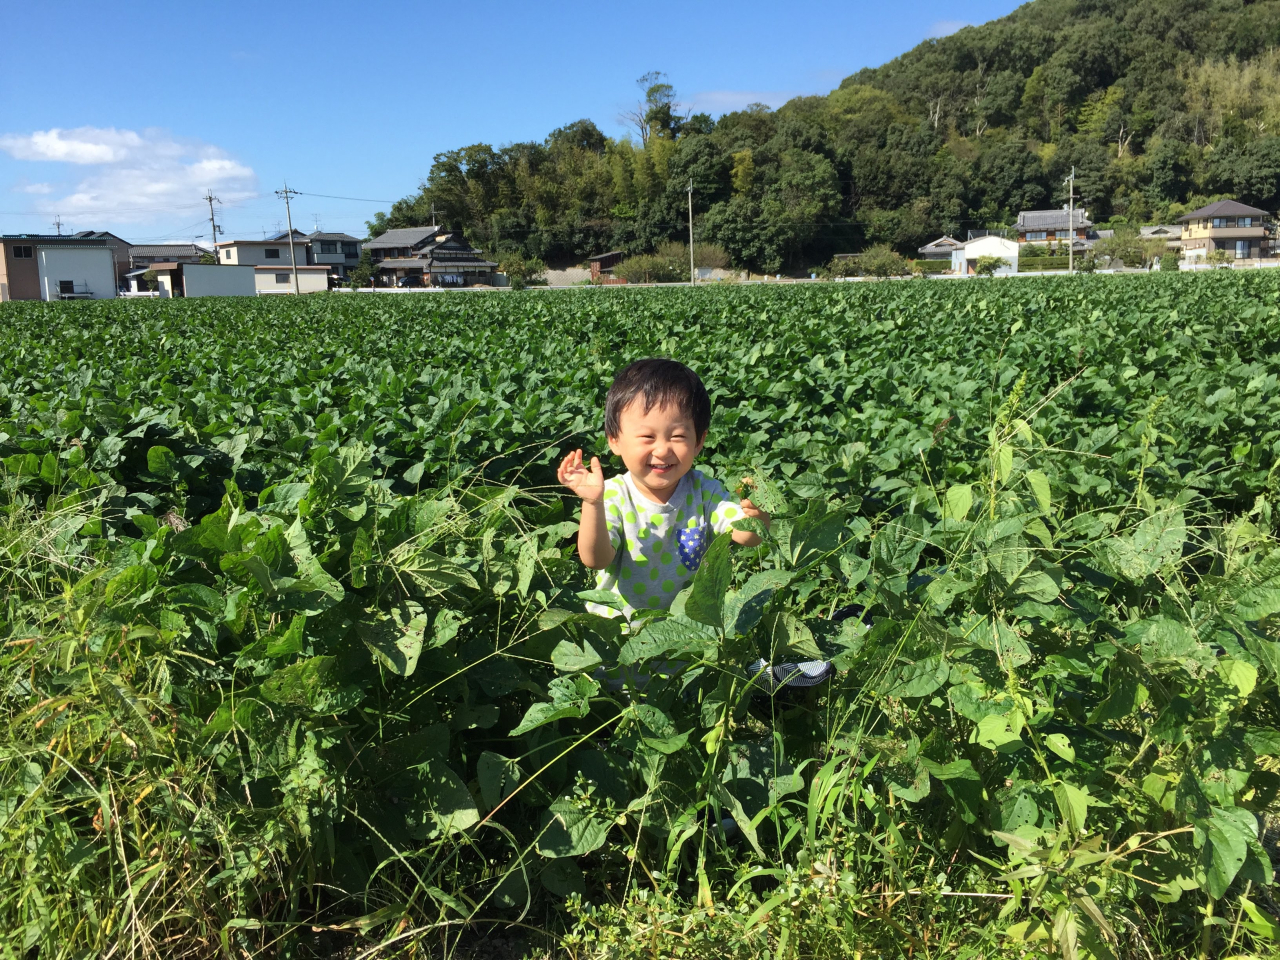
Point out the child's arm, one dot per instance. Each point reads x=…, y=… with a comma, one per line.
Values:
x=594, y=547
x=746, y=538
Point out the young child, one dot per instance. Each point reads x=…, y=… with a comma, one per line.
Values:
x=645, y=532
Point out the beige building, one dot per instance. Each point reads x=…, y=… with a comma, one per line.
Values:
x=272, y=252
x=1239, y=229
x=311, y=279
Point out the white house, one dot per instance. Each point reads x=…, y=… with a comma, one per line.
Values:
x=964, y=259
x=311, y=279
x=272, y=252
x=73, y=272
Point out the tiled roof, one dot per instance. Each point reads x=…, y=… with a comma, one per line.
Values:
x=319, y=235
x=175, y=250
x=1051, y=220
x=940, y=245
x=402, y=237
x=1224, y=208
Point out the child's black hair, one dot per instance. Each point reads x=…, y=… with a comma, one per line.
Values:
x=661, y=383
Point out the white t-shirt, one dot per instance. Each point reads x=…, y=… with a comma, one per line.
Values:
x=659, y=545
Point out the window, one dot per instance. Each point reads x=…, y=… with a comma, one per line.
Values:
x=22, y=253
x=1036, y=234
x=271, y=253
x=328, y=246
x=226, y=254
x=1224, y=222
x=282, y=278
x=1244, y=221
x=1242, y=249
x=351, y=249
x=66, y=286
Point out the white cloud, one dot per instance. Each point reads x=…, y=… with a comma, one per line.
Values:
x=135, y=176
x=34, y=188
x=944, y=28
x=726, y=101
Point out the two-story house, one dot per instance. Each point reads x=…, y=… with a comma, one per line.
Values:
x=436, y=256
x=1054, y=227
x=273, y=265
x=1237, y=228
x=340, y=252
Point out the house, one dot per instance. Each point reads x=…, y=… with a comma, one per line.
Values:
x=340, y=252
x=31, y=268
x=119, y=249
x=187, y=279
x=272, y=252
x=145, y=254
x=1242, y=231
x=1170, y=233
x=939, y=249
x=964, y=259
x=437, y=256
x=1055, y=227
x=603, y=263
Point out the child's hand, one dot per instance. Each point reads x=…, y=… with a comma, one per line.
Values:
x=586, y=483
x=751, y=510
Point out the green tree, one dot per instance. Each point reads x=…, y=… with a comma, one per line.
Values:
x=987, y=266
x=652, y=268
x=208, y=258
x=882, y=260
x=521, y=271
x=363, y=273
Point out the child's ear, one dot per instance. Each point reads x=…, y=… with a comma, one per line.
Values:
x=613, y=444
x=702, y=441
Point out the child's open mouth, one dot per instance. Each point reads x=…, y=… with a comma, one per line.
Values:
x=661, y=468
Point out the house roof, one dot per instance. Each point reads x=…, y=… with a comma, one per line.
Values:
x=63, y=238
x=1224, y=208
x=399, y=263
x=100, y=235
x=1160, y=229
x=942, y=243
x=288, y=268
x=1052, y=220
x=606, y=256
x=166, y=250
x=320, y=235
x=403, y=237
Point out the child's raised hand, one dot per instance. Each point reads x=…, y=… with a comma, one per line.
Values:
x=751, y=510
x=587, y=483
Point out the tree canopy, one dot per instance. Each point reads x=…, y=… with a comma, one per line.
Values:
x=1159, y=105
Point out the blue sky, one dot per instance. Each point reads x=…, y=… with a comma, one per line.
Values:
x=118, y=116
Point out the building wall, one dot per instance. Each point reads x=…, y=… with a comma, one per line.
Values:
x=208, y=280
x=91, y=268
x=21, y=277
x=255, y=254
x=309, y=281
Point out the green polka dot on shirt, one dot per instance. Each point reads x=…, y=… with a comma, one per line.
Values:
x=655, y=573
x=666, y=558
x=669, y=586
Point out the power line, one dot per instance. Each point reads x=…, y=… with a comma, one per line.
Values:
x=328, y=196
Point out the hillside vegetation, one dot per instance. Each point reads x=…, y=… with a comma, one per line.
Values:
x=1158, y=104
x=296, y=661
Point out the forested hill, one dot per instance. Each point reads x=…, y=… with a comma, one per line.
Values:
x=1159, y=105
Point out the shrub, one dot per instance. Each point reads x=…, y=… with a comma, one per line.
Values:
x=522, y=272
x=651, y=268
x=987, y=266
x=1169, y=261
x=882, y=261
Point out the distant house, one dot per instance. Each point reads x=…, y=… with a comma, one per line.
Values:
x=1171, y=234
x=437, y=256
x=272, y=252
x=1054, y=227
x=603, y=263
x=964, y=259
x=340, y=252
x=145, y=254
x=46, y=267
x=188, y=279
x=939, y=249
x=1241, y=230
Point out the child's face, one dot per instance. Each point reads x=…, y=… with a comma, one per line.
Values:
x=658, y=447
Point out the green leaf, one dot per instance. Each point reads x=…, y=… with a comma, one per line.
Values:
x=570, y=698
x=995, y=733
x=1226, y=835
x=570, y=657
x=571, y=831
x=1039, y=484
x=396, y=640
x=670, y=637
x=919, y=679
x=161, y=462
x=1060, y=745
x=711, y=583
x=563, y=877
x=441, y=804
x=498, y=777
x=959, y=500
x=744, y=608
x=285, y=641
x=1073, y=804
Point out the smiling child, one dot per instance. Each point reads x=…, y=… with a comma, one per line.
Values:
x=645, y=532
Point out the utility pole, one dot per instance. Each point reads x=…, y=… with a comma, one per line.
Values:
x=1071, y=221
x=285, y=194
x=57, y=223
x=210, y=199
x=693, y=273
